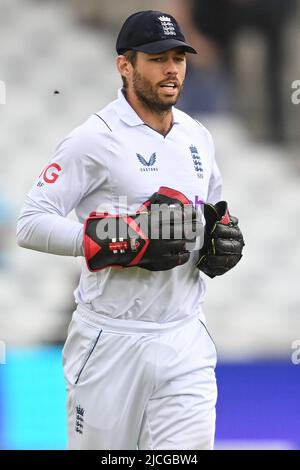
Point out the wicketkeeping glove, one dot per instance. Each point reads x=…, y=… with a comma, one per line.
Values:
x=223, y=241
x=154, y=238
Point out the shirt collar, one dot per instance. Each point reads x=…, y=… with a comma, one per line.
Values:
x=128, y=115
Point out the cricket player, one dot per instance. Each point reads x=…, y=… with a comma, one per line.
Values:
x=139, y=362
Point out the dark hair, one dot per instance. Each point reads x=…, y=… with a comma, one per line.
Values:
x=131, y=58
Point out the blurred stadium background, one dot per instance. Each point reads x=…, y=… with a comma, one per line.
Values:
x=57, y=64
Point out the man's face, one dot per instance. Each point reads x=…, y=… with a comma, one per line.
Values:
x=157, y=79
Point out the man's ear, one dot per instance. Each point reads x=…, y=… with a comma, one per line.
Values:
x=123, y=65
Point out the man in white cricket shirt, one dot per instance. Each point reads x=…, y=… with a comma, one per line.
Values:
x=138, y=361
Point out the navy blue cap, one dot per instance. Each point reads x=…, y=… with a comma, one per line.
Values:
x=151, y=32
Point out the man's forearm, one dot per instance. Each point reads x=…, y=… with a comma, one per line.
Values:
x=50, y=233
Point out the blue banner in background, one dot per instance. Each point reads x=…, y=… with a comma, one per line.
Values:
x=33, y=392
x=258, y=404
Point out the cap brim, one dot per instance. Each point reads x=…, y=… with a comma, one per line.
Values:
x=164, y=45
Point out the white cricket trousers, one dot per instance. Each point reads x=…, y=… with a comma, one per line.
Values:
x=139, y=385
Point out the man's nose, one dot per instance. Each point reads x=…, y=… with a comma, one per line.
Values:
x=171, y=68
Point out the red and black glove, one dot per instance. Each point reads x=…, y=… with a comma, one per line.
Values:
x=223, y=241
x=154, y=238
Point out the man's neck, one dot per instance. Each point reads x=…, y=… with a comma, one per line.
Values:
x=159, y=121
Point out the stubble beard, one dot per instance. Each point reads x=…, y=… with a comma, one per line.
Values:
x=149, y=97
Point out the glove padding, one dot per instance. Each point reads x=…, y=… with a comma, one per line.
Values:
x=223, y=241
x=153, y=238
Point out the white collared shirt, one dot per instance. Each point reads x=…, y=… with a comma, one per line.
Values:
x=115, y=162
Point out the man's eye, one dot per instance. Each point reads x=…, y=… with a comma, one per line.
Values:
x=156, y=59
